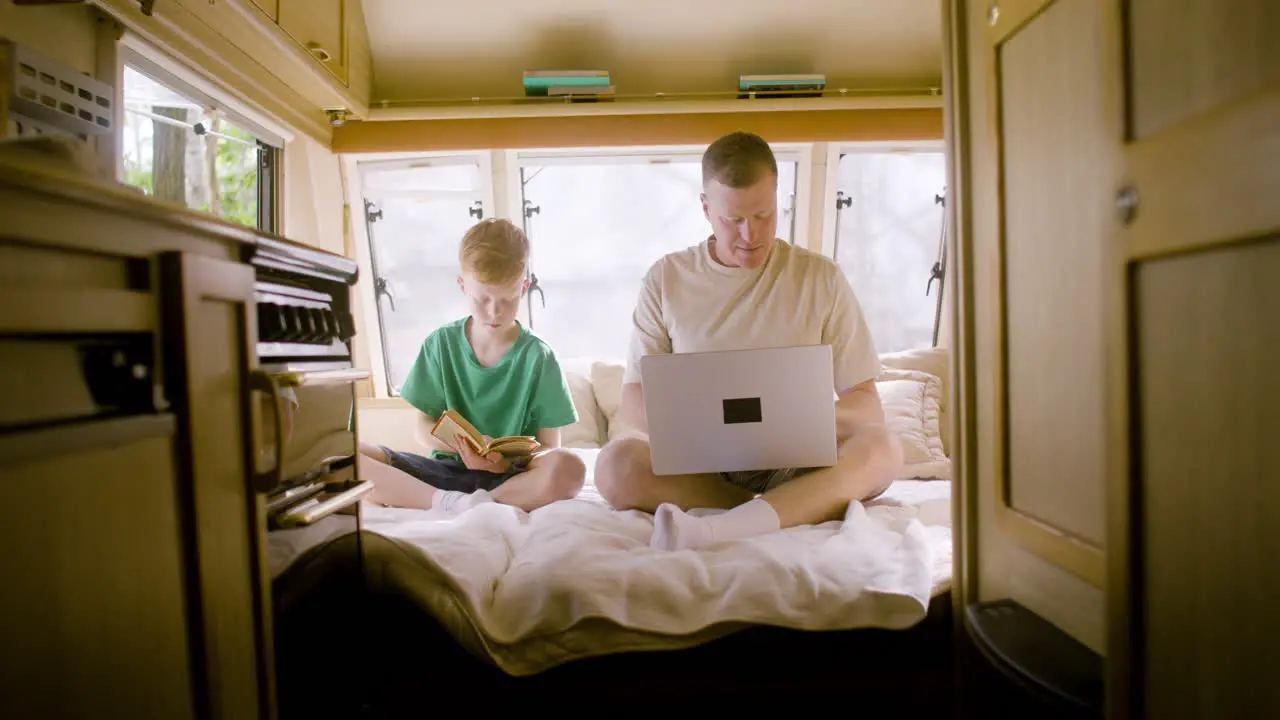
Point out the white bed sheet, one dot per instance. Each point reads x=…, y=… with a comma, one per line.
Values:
x=578, y=579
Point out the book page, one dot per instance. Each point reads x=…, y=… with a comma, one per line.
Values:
x=447, y=427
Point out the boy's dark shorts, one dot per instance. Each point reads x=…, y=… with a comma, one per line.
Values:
x=448, y=474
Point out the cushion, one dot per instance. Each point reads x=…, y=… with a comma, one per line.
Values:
x=606, y=381
x=589, y=431
x=911, y=406
x=936, y=362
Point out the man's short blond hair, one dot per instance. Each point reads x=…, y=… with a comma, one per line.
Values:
x=495, y=251
x=738, y=160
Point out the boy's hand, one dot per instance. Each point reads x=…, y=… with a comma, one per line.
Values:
x=494, y=462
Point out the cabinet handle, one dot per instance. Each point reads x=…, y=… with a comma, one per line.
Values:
x=319, y=52
x=310, y=511
x=320, y=377
x=273, y=478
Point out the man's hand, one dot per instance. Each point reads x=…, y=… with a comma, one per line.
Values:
x=494, y=462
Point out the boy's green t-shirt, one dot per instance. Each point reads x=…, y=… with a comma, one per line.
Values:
x=520, y=395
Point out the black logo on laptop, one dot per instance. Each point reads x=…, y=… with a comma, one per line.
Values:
x=741, y=410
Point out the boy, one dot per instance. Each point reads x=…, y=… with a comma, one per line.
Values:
x=498, y=375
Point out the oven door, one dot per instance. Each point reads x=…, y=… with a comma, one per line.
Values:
x=306, y=457
x=310, y=408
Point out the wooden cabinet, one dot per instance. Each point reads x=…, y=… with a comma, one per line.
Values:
x=1117, y=163
x=320, y=27
x=95, y=586
x=135, y=582
x=1197, y=245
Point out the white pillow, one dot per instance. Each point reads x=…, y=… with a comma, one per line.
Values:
x=588, y=432
x=936, y=362
x=911, y=406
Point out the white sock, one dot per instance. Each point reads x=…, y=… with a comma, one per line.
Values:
x=674, y=529
x=453, y=501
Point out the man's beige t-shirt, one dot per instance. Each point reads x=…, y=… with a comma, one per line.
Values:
x=691, y=303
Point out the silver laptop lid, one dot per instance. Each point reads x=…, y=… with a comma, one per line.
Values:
x=740, y=410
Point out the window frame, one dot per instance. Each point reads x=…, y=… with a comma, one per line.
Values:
x=516, y=160
x=140, y=57
x=836, y=151
x=370, y=313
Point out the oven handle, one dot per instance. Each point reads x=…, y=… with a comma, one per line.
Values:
x=273, y=478
x=310, y=512
x=307, y=378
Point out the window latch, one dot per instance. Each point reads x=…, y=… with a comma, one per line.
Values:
x=535, y=287
x=380, y=288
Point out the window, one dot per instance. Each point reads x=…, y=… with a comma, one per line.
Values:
x=416, y=213
x=181, y=146
x=887, y=232
x=596, y=224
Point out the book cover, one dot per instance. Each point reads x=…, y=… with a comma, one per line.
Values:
x=451, y=424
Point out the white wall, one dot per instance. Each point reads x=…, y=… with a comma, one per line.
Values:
x=390, y=423
x=313, y=195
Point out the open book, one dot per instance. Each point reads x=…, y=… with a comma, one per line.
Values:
x=451, y=424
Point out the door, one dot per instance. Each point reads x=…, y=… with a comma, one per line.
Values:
x=1196, y=240
x=209, y=330
x=1036, y=147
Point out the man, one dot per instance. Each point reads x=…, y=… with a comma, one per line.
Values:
x=740, y=289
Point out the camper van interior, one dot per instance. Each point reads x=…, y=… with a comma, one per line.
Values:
x=253, y=250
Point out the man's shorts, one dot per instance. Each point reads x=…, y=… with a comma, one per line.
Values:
x=762, y=481
x=448, y=474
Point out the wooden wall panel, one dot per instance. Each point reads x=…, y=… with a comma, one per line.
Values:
x=1209, y=486
x=1189, y=56
x=1058, y=150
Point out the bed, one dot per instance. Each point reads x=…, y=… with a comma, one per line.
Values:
x=570, y=600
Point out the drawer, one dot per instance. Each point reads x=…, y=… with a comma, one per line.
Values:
x=47, y=290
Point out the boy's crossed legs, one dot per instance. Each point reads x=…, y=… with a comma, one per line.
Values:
x=407, y=480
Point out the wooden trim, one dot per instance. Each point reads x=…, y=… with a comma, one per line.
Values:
x=108, y=68
x=26, y=309
x=635, y=130
x=1177, y=209
x=1122, y=677
x=81, y=437
x=1058, y=547
x=964, y=450
x=383, y=403
x=647, y=105
x=1006, y=17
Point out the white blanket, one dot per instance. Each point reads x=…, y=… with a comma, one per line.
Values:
x=577, y=579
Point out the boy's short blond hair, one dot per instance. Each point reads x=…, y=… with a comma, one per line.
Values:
x=495, y=251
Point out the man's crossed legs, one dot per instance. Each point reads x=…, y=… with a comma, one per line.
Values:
x=753, y=503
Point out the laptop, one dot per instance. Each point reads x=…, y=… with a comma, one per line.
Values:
x=729, y=411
